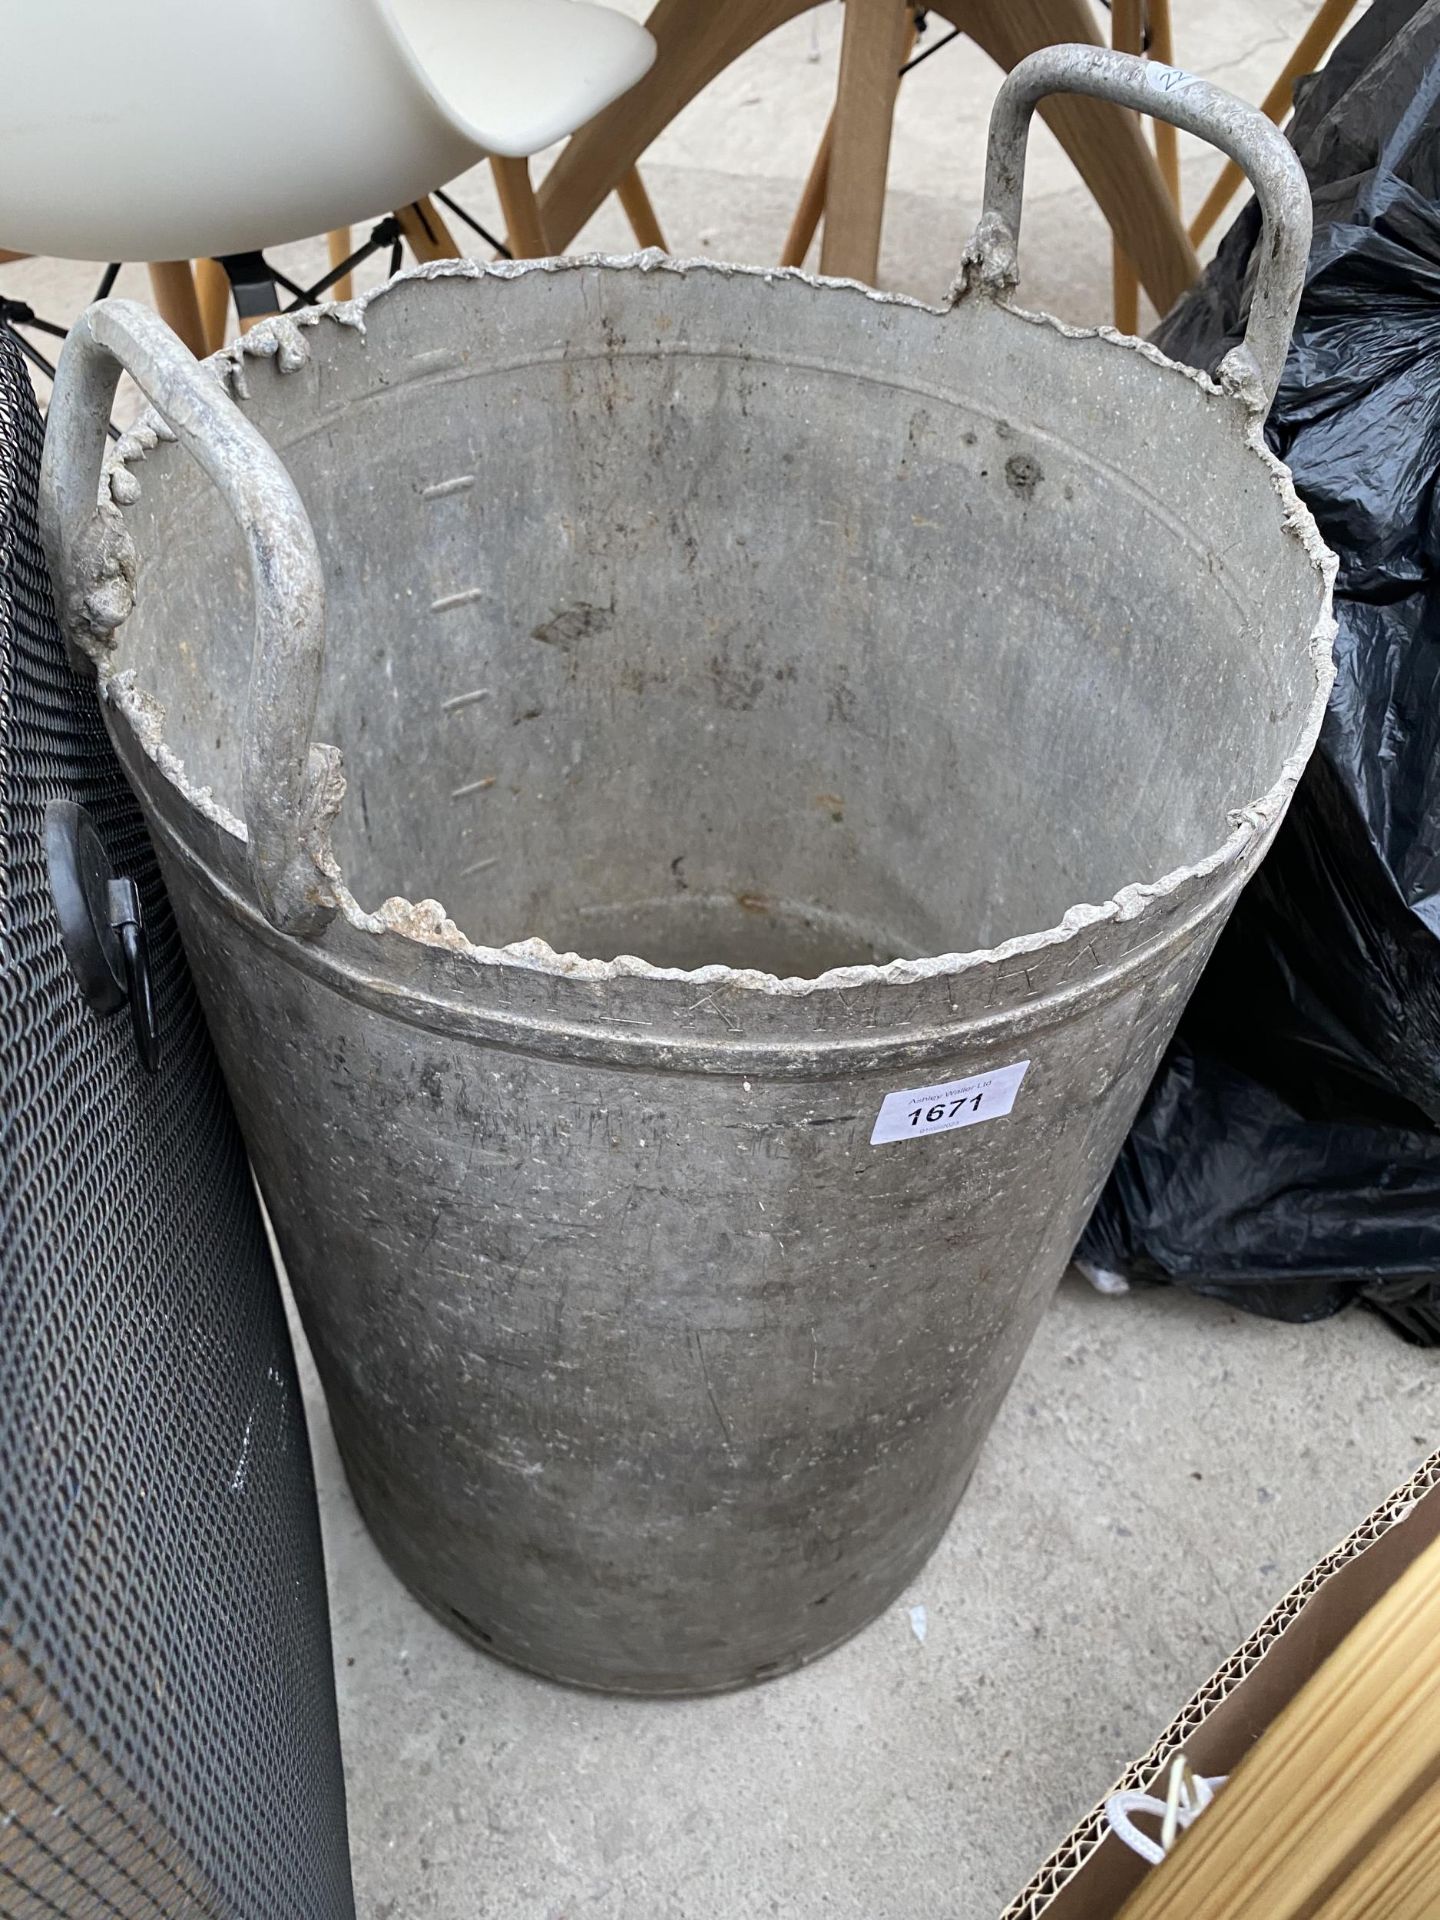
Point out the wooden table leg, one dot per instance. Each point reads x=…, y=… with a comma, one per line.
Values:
x=871, y=55
x=811, y=207
x=811, y=204
x=172, y=286
x=1167, y=138
x=1127, y=35
x=695, y=40
x=698, y=39
x=524, y=228
x=427, y=233
x=644, y=223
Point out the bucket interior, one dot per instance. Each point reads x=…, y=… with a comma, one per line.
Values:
x=869, y=633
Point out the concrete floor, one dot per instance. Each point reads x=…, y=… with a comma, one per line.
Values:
x=1162, y=1472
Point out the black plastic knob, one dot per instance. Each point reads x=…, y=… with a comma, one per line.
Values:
x=100, y=925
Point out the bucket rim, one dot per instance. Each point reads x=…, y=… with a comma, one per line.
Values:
x=282, y=338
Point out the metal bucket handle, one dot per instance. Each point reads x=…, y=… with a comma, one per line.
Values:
x=1253, y=369
x=288, y=784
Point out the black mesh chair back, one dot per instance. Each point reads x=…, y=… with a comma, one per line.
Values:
x=168, y=1738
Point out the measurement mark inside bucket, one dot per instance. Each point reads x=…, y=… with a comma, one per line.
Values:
x=462, y=483
x=461, y=599
x=459, y=700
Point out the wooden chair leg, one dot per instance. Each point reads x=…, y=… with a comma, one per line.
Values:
x=871, y=56
x=1310, y=49
x=810, y=209
x=428, y=236
x=811, y=204
x=212, y=290
x=172, y=286
x=1167, y=138
x=644, y=223
x=524, y=229
x=1127, y=35
x=339, y=246
x=1107, y=144
x=1124, y=291
x=695, y=40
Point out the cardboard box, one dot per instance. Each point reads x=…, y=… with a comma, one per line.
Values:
x=1091, y=1874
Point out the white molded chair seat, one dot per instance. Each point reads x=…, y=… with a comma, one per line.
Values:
x=522, y=77
x=181, y=129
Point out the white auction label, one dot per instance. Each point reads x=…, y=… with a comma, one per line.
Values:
x=913, y=1112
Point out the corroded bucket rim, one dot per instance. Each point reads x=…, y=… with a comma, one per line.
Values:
x=284, y=340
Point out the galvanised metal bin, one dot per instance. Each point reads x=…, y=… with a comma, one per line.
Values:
x=911, y=689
